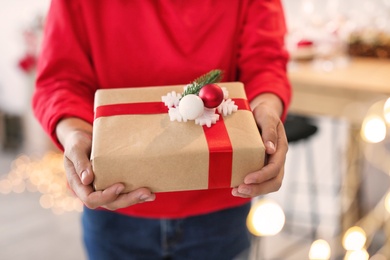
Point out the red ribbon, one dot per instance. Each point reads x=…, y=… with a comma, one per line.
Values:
x=220, y=155
x=217, y=137
x=143, y=108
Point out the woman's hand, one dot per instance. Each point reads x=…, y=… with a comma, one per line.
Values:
x=267, y=109
x=75, y=136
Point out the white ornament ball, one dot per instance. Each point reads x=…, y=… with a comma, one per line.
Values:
x=191, y=107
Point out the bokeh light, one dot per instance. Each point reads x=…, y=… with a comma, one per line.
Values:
x=45, y=175
x=266, y=218
x=357, y=255
x=373, y=129
x=319, y=250
x=354, y=239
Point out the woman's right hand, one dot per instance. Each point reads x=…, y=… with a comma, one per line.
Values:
x=76, y=137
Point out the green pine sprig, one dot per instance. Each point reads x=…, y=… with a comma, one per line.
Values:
x=212, y=76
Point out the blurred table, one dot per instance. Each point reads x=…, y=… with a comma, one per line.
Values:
x=344, y=92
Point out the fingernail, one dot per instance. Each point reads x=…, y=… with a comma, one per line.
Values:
x=271, y=145
x=83, y=176
x=119, y=190
x=145, y=197
x=245, y=191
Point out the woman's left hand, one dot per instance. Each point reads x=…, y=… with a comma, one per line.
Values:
x=269, y=178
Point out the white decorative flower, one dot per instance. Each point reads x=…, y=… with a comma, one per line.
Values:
x=208, y=117
x=171, y=99
x=225, y=92
x=227, y=107
x=174, y=115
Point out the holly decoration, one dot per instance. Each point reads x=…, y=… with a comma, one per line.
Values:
x=213, y=76
x=200, y=101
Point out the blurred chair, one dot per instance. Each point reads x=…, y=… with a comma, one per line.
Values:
x=300, y=129
x=2, y=129
x=11, y=132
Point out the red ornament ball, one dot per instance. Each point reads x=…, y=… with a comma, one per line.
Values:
x=212, y=95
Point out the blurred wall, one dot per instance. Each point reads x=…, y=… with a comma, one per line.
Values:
x=15, y=85
x=363, y=12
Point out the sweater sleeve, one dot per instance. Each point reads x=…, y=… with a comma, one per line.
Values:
x=262, y=55
x=66, y=83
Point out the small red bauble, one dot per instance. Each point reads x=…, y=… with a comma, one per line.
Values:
x=212, y=95
x=305, y=43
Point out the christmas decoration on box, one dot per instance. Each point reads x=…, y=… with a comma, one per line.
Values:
x=151, y=137
x=200, y=100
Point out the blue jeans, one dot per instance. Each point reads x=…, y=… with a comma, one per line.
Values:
x=218, y=235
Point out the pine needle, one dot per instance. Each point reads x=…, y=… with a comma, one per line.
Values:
x=212, y=76
x=209, y=78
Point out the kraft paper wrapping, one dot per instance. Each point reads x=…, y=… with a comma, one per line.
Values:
x=151, y=151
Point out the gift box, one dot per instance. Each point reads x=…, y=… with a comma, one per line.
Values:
x=136, y=143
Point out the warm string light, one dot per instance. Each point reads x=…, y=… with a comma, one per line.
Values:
x=319, y=250
x=266, y=218
x=46, y=176
x=354, y=239
x=359, y=237
x=374, y=132
x=373, y=129
x=361, y=254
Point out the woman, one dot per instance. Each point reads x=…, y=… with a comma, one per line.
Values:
x=93, y=44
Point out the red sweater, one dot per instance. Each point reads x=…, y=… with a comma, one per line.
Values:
x=92, y=44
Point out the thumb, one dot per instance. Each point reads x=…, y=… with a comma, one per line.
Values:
x=270, y=147
x=77, y=150
x=269, y=134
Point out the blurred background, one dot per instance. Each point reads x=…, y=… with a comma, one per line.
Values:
x=334, y=202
